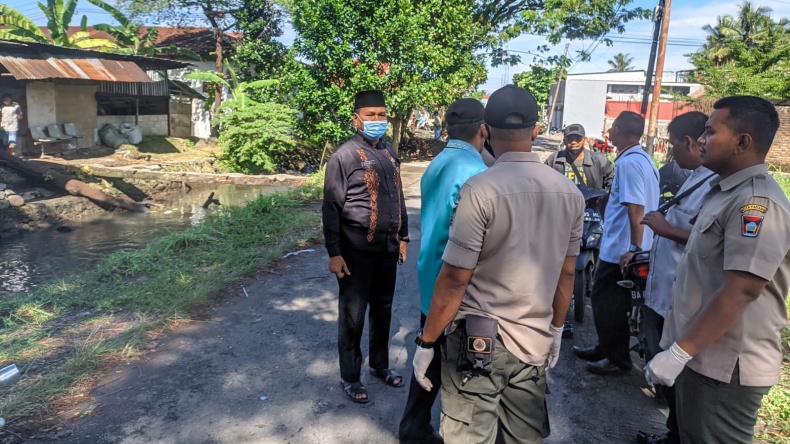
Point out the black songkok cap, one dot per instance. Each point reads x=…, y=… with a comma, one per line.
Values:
x=464, y=111
x=510, y=101
x=369, y=99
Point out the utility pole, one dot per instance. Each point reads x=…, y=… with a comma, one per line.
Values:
x=651, y=64
x=557, y=89
x=662, y=50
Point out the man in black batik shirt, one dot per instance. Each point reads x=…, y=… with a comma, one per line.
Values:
x=366, y=231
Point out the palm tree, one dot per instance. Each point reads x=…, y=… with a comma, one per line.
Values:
x=132, y=39
x=59, y=15
x=238, y=90
x=752, y=26
x=718, y=46
x=621, y=62
x=754, y=23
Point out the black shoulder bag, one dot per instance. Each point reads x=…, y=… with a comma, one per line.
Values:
x=667, y=205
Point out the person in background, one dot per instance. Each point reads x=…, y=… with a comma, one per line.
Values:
x=367, y=234
x=594, y=169
x=503, y=320
x=10, y=115
x=633, y=194
x=440, y=185
x=721, y=336
x=671, y=234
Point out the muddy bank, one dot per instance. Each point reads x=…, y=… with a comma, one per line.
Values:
x=25, y=206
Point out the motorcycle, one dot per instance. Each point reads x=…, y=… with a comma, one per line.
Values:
x=603, y=146
x=635, y=279
x=588, y=254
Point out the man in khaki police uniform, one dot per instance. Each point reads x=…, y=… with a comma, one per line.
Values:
x=510, y=257
x=722, y=332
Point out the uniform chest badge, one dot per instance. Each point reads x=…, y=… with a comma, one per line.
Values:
x=751, y=225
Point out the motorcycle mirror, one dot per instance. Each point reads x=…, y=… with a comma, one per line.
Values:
x=626, y=284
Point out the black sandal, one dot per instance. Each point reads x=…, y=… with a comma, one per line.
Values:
x=388, y=376
x=353, y=389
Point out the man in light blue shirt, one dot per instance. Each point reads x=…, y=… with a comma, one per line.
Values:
x=633, y=194
x=441, y=182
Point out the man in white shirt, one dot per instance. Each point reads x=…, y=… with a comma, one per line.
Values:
x=10, y=115
x=634, y=193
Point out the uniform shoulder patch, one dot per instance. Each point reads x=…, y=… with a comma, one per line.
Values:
x=754, y=207
x=750, y=225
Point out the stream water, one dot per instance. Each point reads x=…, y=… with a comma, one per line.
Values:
x=37, y=257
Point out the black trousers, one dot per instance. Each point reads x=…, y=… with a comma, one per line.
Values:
x=416, y=421
x=371, y=282
x=611, y=305
x=653, y=325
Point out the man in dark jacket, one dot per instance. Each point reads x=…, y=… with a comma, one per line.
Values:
x=366, y=230
x=595, y=169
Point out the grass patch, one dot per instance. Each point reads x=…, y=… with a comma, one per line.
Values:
x=63, y=331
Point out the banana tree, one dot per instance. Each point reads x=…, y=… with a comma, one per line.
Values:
x=131, y=38
x=238, y=90
x=59, y=14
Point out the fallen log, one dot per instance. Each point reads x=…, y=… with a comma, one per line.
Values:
x=42, y=172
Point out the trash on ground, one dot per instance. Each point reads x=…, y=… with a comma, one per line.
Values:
x=294, y=253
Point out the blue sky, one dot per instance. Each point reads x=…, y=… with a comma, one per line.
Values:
x=685, y=35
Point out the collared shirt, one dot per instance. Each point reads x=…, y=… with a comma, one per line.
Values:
x=10, y=117
x=514, y=225
x=665, y=253
x=440, y=185
x=364, y=207
x=744, y=225
x=635, y=182
x=595, y=168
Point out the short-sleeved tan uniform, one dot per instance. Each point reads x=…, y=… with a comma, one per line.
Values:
x=744, y=225
x=514, y=225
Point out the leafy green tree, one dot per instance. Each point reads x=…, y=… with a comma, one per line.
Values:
x=257, y=138
x=745, y=54
x=133, y=39
x=239, y=90
x=59, y=15
x=538, y=81
x=426, y=52
x=222, y=16
x=621, y=62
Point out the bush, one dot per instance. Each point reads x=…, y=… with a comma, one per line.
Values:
x=256, y=138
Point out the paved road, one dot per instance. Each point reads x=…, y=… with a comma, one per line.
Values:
x=263, y=369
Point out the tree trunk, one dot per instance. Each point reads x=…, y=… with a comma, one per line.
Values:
x=397, y=125
x=43, y=173
x=211, y=15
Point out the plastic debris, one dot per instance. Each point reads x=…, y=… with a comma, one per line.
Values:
x=294, y=253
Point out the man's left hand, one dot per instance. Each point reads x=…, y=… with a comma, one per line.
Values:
x=404, y=251
x=624, y=259
x=665, y=367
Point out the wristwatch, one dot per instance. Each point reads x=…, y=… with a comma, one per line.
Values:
x=420, y=343
x=634, y=248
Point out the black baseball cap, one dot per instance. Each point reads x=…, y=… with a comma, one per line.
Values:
x=465, y=111
x=511, y=101
x=573, y=130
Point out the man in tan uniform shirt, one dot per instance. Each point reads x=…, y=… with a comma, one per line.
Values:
x=722, y=332
x=510, y=257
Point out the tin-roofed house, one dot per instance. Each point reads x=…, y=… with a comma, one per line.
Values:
x=56, y=85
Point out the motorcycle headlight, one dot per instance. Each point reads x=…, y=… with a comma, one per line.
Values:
x=593, y=240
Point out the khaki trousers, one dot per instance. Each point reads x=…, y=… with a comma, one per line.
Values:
x=507, y=407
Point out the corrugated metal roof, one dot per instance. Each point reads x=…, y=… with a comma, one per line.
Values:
x=80, y=69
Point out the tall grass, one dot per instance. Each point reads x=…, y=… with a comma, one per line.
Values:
x=166, y=279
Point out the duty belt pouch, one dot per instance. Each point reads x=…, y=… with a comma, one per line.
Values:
x=477, y=347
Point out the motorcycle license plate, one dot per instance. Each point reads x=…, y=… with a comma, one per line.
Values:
x=637, y=298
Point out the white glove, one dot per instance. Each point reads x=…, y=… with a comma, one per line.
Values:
x=422, y=359
x=554, y=351
x=665, y=367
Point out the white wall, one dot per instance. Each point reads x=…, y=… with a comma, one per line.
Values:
x=40, y=103
x=201, y=118
x=585, y=103
x=612, y=77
